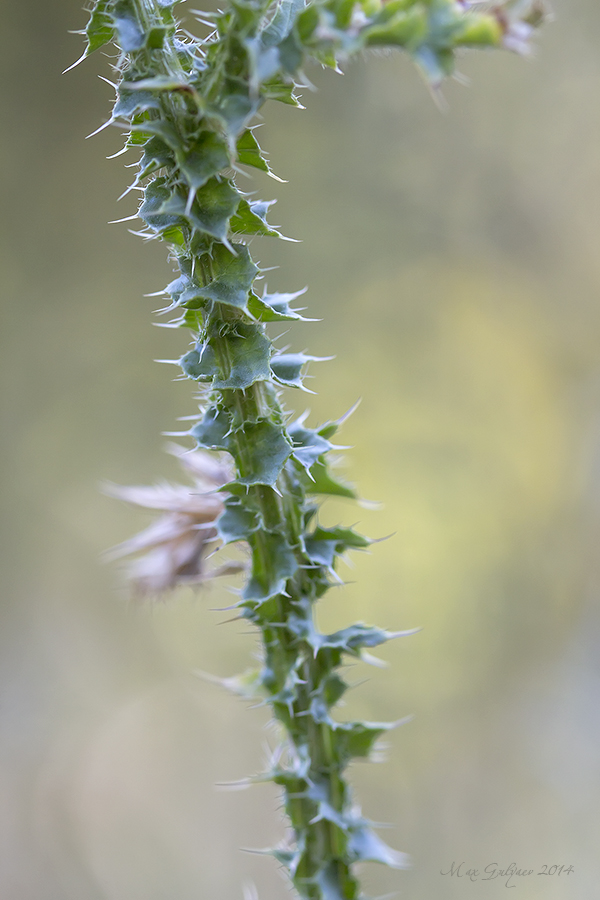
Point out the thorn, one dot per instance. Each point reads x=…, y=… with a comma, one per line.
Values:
x=80, y=60
x=373, y=660
x=249, y=891
x=242, y=785
x=190, y=200
x=125, y=219
x=406, y=633
x=128, y=189
x=112, y=84
x=98, y=130
x=120, y=153
x=347, y=414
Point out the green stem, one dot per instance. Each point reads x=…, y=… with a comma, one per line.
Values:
x=191, y=105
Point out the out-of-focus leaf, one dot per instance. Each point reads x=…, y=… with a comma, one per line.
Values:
x=205, y=158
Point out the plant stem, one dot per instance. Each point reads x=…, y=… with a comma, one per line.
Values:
x=190, y=105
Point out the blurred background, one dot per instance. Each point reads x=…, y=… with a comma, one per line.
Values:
x=453, y=258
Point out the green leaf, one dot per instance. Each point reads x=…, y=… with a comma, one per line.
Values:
x=353, y=739
x=237, y=522
x=308, y=21
x=235, y=111
x=248, y=686
x=322, y=482
x=233, y=277
x=275, y=307
x=130, y=35
x=320, y=553
x=276, y=89
x=156, y=155
x=100, y=28
x=282, y=22
x=308, y=443
x=344, y=537
x=207, y=156
x=160, y=128
x=250, y=218
x=247, y=351
x=155, y=39
x=269, y=580
x=212, y=209
x=403, y=29
x=131, y=102
x=435, y=64
x=343, y=13
x=158, y=83
x=353, y=638
x=287, y=367
x=290, y=53
x=151, y=210
x=232, y=362
x=266, y=450
x=212, y=432
x=192, y=318
x=324, y=544
x=249, y=152
x=328, y=880
x=178, y=287
x=366, y=846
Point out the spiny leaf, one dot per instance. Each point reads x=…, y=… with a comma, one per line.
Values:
x=233, y=362
x=249, y=153
x=235, y=111
x=404, y=28
x=264, y=583
x=282, y=22
x=100, y=28
x=156, y=154
x=366, y=846
x=287, y=367
x=129, y=33
x=267, y=449
x=210, y=212
x=159, y=127
x=357, y=636
x=191, y=103
x=158, y=83
x=233, y=277
x=308, y=443
x=207, y=156
x=328, y=882
x=321, y=481
x=212, y=432
x=151, y=211
x=237, y=522
x=250, y=218
x=324, y=544
x=131, y=102
x=356, y=739
x=275, y=307
x=276, y=89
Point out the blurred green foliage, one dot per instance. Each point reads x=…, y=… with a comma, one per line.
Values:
x=469, y=296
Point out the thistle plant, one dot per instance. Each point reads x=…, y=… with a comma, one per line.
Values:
x=189, y=105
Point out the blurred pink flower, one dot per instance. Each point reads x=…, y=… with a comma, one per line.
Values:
x=173, y=550
x=518, y=20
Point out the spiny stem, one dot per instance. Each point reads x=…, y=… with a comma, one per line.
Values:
x=190, y=105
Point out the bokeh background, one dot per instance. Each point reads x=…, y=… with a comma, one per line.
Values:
x=453, y=258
